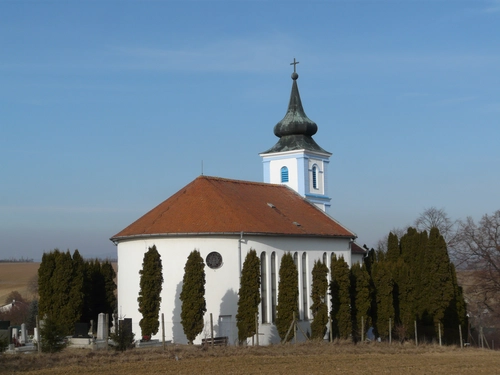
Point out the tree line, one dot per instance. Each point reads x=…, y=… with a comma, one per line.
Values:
x=412, y=279
x=73, y=290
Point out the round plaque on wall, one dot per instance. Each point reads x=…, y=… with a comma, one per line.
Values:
x=214, y=260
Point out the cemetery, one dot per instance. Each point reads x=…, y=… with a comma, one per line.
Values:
x=15, y=338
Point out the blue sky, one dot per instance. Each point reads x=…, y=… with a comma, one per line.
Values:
x=109, y=107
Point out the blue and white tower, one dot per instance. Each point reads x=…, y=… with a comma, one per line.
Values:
x=296, y=160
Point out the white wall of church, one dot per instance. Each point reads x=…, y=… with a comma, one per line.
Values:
x=222, y=284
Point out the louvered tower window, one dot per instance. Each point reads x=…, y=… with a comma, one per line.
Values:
x=284, y=174
x=315, y=177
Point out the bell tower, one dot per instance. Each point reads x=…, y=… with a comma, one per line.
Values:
x=296, y=160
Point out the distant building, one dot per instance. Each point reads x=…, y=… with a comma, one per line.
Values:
x=224, y=219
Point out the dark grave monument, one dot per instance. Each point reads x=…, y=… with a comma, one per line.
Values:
x=81, y=331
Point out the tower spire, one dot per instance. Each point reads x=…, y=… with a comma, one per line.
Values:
x=296, y=159
x=295, y=130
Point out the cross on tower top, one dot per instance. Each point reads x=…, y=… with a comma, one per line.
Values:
x=294, y=64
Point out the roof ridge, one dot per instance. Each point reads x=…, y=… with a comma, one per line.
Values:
x=215, y=178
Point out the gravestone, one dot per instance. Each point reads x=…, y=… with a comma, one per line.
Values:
x=23, y=335
x=102, y=327
x=36, y=337
x=126, y=326
x=81, y=330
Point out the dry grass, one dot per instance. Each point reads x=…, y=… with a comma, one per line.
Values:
x=308, y=358
x=16, y=276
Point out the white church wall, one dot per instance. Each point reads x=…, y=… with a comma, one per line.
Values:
x=221, y=288
x=357, y=258
x=222, y=284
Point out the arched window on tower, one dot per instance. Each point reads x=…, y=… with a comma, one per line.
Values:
x=315, y=176
x=284, y=174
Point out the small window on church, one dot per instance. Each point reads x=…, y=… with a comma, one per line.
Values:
x=214, y=260
x=284, y=174
x=315, y=176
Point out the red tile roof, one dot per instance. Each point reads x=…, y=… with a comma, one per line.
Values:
x=356, y=249
x=217, y=205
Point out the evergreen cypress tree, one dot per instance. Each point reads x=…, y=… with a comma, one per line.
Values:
x=403, y=294
x=456, y=313
x=60, y=297
x=460, y=305
x=319, y=308
x=193, y=296
x=393, y=251
x=52, y=333
x=77, y=290
x=340, y=288
x=150, y=293
x=99, y=290
x=249, y=296
x=94, y=287
x=370, y=258
x=439, y=286
x=45, y=290
x=413, y=305
x=109, y=275
x=383, y=283
x=66, y=307
x=360, y=298
x=72, y=289
x=288, y=295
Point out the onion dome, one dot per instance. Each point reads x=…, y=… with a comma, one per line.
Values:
x=295, y=130
x=295, y=121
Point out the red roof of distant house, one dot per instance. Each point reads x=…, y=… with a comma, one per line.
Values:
x=356, y=249
x=212, y=205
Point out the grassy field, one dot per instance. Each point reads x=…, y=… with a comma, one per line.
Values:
x=16, y=276
x=309, y=358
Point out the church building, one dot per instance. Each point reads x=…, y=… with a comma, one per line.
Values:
x=223, y=219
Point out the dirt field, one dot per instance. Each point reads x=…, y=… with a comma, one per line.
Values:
x=312, y=358
x=16, y=276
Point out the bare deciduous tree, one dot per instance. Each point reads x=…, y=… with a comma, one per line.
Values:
x=33, y=286
x=478, y=249
x=382, y=243
x=433, y=217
